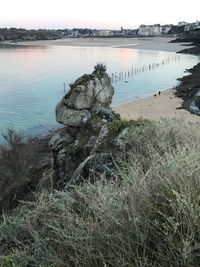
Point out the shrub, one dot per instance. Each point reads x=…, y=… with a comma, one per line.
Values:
x=16, y=161
x=117, y=125
x=100, y=67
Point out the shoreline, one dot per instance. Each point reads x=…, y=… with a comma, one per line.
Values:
x=148, y=43
x=172, y=103
x=164, y=106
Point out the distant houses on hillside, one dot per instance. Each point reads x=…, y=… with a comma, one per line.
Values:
x=150, y=30
x=157, y=29
x=74, y=33
x=16, y=34
x=192, y=26
x=143, y=30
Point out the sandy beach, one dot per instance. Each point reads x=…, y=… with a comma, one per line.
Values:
x=155, y=43
x=167, y=105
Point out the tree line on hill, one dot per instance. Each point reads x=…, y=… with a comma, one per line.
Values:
x=18, y=34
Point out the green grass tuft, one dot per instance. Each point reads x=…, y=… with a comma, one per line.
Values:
x=117, y=125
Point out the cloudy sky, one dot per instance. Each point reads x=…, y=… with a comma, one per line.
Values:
x=95, y=13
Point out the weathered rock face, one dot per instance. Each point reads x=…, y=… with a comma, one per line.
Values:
x=71, y=117
x=189, y=90
x=85, y=145
x=87, y=96
x=193, y=104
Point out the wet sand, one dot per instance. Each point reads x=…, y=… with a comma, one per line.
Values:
x=155, y=43
x=167, y=105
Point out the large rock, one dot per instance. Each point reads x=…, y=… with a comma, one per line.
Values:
x=87, y=96
x=85, y=145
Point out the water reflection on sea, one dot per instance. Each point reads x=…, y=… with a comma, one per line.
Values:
x=31, y=78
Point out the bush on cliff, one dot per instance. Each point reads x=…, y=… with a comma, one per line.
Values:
x=148, y=214
x=20, y=168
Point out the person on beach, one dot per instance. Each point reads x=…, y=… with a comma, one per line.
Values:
x=155, y=95
x=159, y=92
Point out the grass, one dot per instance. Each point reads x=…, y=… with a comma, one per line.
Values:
x=118, y=125
x=148, y=214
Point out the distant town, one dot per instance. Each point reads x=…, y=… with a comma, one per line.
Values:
x=21, y=34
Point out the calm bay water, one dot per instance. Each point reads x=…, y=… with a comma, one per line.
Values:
x=31, y=78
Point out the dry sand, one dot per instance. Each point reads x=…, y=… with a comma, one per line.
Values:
x=155, y=43
x=167, y=105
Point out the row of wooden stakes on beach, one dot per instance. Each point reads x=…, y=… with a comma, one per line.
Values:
x=124, y=75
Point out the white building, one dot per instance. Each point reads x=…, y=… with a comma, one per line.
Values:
x=182, y=23
x=150, y=30
x=104, y=32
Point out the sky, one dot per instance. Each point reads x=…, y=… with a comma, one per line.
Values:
x=101, y=14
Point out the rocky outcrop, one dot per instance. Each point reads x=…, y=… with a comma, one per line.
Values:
x=193, y=103
x=85, y=146
x=88, y=96
x=189, y=89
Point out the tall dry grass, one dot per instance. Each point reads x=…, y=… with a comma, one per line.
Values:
x=148, y=214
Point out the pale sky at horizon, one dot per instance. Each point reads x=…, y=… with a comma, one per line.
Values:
x=108, y=14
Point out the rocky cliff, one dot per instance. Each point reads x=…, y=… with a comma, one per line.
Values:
x=88, y=141
x=189, y=87
x=189, y=90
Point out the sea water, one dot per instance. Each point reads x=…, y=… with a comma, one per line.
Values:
x=32, y=78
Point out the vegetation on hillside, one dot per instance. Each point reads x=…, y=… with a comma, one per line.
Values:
x=21, y=34
x=146, y=214
x=22, y=163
